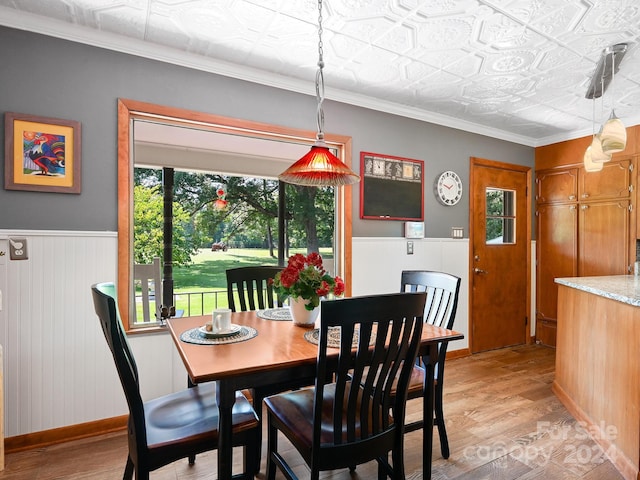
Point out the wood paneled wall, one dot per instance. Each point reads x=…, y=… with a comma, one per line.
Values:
x=571, y=152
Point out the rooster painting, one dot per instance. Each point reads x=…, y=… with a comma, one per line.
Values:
x=46, y=151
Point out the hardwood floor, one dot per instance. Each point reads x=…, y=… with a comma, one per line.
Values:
x=502, y=419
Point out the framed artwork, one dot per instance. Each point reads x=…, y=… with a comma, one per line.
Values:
x=391, y=188
x=41, y=154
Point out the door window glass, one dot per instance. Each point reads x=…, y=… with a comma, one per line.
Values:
x=500, y=215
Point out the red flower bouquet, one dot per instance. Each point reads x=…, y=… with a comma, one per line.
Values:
x=305, y=277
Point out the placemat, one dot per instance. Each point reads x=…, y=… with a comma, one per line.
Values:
x=313, y=336
x=279, y=314
x=195, y=336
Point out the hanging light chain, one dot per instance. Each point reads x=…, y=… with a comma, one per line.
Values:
x=320, y=78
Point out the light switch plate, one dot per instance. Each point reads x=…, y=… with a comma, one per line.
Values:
x=409, y=248
x=18, y=248
x=457, y=232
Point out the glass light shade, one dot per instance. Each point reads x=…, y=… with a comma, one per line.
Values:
x=597, y=155
x=613, y=135
x=589, y=164
x=319, y=168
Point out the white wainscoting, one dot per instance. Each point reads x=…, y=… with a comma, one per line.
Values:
x=57, y=368
x=378, y=264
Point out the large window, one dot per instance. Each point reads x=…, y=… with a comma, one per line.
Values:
x=259, y=167
x=217, y=222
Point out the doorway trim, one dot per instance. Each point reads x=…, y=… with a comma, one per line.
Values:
x=481, y=162
x=129, y=110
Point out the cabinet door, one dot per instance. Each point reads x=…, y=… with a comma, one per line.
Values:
x=603, y=230
x=556, y=252
x=557, y=185
x=613, y=181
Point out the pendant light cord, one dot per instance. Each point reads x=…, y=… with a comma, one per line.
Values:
x=613, y=82
x=320, y=78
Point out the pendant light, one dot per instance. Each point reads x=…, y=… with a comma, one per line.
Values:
x=614, y=134
x=319, y=167
x=589, y=164
x=597, y=154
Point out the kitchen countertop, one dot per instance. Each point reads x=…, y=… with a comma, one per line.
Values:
x=623, y=288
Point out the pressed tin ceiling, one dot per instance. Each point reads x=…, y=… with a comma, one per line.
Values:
x=511, y=69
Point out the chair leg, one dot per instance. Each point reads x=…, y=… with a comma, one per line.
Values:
x=258, y=397
x=251, y=466
x=141, y=475
x=190, y=384
x=128, y=470
x=439, y=421
x=272, y=446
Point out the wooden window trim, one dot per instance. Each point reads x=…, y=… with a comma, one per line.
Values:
x=128, y=110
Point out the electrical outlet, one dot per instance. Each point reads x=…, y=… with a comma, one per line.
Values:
x=18, y=248
x=409, y=248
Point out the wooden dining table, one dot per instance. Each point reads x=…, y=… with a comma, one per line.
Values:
x=278, y=354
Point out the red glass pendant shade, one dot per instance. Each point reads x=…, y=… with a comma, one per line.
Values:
x=318, y=168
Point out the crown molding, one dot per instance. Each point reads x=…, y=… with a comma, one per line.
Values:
x=79, y=34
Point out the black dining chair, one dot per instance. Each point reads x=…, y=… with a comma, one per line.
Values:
x=351, y=416
x=442, y=291
x=248, y=288
x=174, y=426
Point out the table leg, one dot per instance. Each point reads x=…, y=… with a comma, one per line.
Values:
x=226, y=397
x=427, y=410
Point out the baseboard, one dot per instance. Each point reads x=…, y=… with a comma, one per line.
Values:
x=99, y=427
x=463, y=352
x=64, y=434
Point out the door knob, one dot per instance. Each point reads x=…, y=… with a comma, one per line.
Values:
x=479, y=271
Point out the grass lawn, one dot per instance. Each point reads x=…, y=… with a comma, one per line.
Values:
x=205, y=279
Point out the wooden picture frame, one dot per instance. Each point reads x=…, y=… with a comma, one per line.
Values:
x=42, y=154
x=391, y=188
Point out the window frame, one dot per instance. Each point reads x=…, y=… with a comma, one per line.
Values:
x=129, y=110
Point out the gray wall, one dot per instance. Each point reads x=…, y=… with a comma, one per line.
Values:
x=46, y=76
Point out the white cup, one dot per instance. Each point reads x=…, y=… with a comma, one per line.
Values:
x=221, y=320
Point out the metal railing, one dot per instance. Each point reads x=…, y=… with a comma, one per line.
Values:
x=187, y=303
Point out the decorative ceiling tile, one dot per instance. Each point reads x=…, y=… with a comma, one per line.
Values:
x=500, y=32
x=606, y=16
x=444, y=34
x=517, y=69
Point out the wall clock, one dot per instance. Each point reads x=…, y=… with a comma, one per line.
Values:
x=448, y=188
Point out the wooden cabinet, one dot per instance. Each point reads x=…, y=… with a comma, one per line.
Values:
x=554, y=186
x=556, y=253
x=603, y=233
x=584, y=227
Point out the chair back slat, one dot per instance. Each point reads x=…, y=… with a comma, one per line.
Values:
x=379, y=340
x=442, y=294
x=441, y=305
x=251, y=288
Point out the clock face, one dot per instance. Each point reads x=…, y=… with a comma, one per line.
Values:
x=448, y=188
